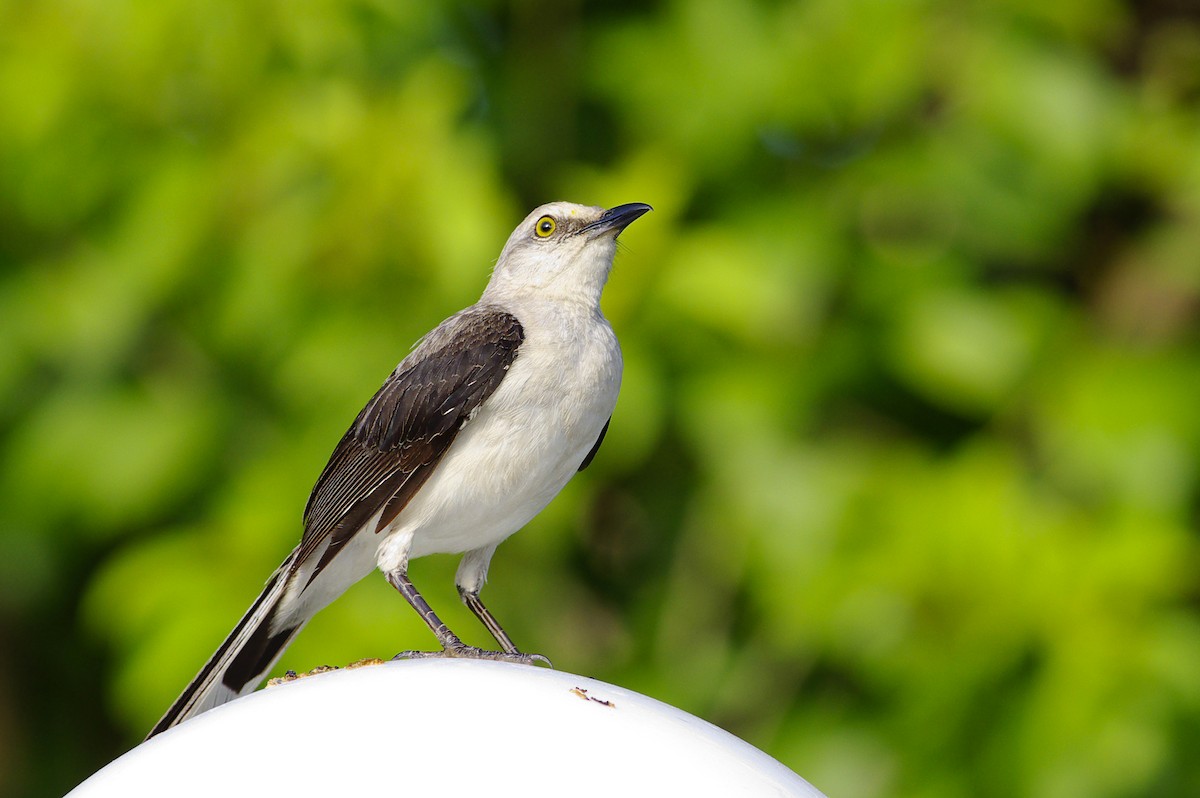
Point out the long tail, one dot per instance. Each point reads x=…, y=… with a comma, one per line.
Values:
x=245, y=657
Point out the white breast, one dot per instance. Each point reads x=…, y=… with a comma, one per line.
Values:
x=523, y=445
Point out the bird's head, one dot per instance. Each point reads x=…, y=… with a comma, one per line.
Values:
x=562, y=250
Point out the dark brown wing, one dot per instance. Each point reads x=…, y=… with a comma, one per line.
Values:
x=404, y=431
x=587, y=461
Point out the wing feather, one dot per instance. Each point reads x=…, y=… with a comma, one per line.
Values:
x=401, y=435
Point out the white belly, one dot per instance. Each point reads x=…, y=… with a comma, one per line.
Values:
x=525, y=443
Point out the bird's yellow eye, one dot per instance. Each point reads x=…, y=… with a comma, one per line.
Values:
x=544, y=227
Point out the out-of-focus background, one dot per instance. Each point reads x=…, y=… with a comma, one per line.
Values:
x=903, y=483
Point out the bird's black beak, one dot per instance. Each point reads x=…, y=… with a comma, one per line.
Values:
x=620, y=217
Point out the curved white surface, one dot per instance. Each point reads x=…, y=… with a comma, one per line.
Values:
x=445, y=727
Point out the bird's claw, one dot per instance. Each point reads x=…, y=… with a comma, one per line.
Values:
x=464, y=651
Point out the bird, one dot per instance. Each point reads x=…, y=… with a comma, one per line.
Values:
x=474, y=432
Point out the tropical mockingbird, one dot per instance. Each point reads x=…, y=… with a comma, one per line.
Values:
x=468, y=439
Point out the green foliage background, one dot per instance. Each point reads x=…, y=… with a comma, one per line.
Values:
x=903, y=482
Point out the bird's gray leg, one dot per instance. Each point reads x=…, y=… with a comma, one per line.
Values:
x=471, y=599
x=400, y=581
x=452, y=645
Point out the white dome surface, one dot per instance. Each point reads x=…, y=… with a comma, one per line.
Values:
x=445, y=727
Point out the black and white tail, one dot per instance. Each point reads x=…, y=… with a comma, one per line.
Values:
x=245, y=657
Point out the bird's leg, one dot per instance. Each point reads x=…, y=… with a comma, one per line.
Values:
x=399, y=580
x=471, y=599
x=452, y=645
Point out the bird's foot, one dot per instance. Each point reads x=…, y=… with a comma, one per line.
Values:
x=463, y=651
